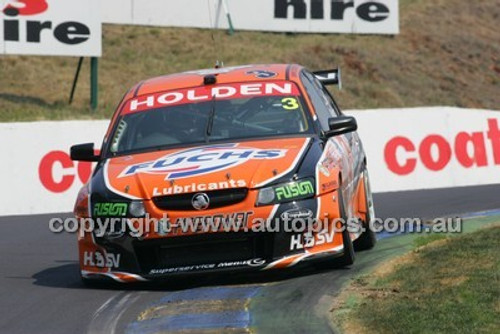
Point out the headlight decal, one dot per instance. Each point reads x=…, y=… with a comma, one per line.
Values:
x=286, y=192
x=295, y=190
x=110, y=209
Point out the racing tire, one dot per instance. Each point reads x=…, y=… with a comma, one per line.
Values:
x=368, y=238
x=347, y=258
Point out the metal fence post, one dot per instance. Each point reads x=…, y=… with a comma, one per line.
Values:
x=94, y=90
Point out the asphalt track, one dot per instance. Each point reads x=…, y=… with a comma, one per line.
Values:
x=40, y=290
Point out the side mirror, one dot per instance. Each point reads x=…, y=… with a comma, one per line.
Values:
x=341, y=125
x=84, y=152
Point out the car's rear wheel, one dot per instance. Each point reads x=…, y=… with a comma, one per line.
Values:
x=368, y=238
x=348, y=256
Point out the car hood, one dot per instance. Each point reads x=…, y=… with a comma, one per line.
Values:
x=249, y=164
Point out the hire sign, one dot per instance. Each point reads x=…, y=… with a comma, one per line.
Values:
x=50, y=27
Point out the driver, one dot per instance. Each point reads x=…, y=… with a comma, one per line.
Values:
x=172, y=126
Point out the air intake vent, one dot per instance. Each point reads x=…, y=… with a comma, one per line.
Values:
x=217, y=199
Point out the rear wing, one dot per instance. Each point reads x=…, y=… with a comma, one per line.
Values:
x=330, y=77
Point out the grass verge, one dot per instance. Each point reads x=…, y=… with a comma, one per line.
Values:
x=445, y=285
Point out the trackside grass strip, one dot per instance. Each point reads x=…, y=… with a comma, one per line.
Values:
x=446, y=285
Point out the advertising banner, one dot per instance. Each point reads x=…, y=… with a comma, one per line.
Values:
x=50, y=27
x=319, y=16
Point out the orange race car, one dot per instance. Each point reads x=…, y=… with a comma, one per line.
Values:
x=245, y=168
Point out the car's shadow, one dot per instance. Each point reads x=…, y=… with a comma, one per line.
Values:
x=63, y=276
x=67, y=276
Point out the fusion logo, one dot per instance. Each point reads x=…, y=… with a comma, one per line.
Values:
x=295, y=190
x=372, y=11
x=111, y=209
x=69, y=32
x=202, y=160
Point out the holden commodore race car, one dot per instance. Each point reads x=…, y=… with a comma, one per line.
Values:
x=257, y=147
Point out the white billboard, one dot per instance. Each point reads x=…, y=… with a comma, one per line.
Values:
x=427, y=148
x=319, y=16
x=50, y=27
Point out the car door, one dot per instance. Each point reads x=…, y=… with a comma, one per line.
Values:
x=343, y=150
x=352, y=137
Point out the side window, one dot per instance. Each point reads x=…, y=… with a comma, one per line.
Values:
x=331, y=101
x=325, y=94
x=318, y=100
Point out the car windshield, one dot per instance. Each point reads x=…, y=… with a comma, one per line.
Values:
x=210, y=121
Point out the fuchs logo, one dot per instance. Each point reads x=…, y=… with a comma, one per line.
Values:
x=202, y=160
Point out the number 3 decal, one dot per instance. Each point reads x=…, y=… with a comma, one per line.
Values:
x=290, y=103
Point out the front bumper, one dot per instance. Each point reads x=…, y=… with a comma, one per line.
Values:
x=129, y=259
